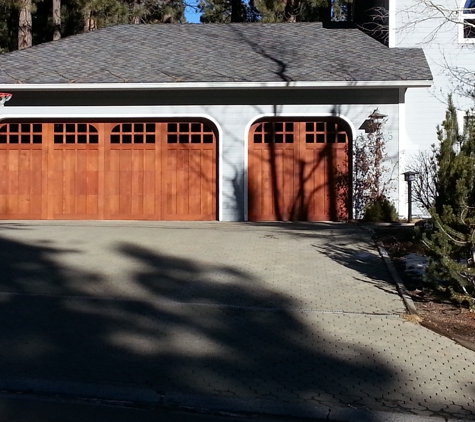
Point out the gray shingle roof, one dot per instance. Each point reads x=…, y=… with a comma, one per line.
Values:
x=213, y=53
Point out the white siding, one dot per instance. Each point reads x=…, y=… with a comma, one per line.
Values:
x=425, y=108
x=448, y=59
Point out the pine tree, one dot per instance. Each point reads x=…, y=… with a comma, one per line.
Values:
x=25, y=36
x=266, y=11
x=452, y=244
x=226, y=11
x=8, y=26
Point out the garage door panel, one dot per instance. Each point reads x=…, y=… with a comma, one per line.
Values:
x=112, y=186
x=316, y=200
x=12, y=205
x=151, y=184
x=111, y=204
x=182, y=182
x=275, y=196
x=37, y=173
x=24, y=173
x=81, y=175
x=207, y=193
x=340, y=182
x=197, y=181
x=72, y=185
x=20, y=174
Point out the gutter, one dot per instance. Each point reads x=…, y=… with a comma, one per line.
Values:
x=214, y=85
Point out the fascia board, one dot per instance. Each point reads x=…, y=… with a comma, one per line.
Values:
x=214, y=85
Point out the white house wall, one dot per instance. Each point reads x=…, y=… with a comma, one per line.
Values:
x=233, y=123
x=425, y=107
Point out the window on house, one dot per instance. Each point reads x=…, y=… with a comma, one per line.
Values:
x=467, y=18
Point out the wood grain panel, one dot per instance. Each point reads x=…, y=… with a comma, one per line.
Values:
x=73, y=182
x=21, y=175
x=189, y=172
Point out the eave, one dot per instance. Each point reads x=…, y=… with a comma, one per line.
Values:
x=214, y=85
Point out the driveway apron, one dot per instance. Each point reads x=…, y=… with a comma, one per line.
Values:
x=271, y=314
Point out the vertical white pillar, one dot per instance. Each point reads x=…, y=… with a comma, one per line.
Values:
x=402, y=202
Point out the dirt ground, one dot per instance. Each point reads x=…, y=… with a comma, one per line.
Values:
x=437, y=312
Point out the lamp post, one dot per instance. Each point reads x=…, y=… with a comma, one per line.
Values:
x=409, y=177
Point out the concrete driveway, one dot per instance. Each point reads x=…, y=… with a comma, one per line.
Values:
x=297, y=319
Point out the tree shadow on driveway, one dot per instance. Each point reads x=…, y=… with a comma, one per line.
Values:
x=203, y=331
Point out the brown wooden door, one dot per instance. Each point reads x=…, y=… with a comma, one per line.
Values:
x=189, y=152
x=133, y=171
x=296, y=170
x=75, y=159
x=108, y=170
x=22, y=165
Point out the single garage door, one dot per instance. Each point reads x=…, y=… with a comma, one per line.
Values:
x=298, y=170
x=145, y=170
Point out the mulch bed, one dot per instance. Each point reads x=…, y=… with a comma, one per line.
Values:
x=438, y=314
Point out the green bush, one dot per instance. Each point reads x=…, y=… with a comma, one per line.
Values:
x=380, y=210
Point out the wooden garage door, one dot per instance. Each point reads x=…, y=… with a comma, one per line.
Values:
x=298, y=170
x=108, y=170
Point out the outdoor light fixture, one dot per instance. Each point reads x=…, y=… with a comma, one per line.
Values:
x=374, y=119
x=409, y=177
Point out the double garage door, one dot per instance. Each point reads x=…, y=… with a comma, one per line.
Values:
x=145, y=170
x=299, y=170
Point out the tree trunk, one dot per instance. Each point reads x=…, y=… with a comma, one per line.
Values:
x=57, y=19
x=135, y=12
x=24, y=26
x=236, y=11
x=291, y=10
x=89, y=21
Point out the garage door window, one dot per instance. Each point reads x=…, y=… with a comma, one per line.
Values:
x=324, y=132
x=21, y=133
x=136, y=133
x=189, y=133
x=274, y=132
x=75, y=133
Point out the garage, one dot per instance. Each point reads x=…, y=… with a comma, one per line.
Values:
x=298, y=170
x=141, y=170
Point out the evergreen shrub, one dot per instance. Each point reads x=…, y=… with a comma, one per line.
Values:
x=381, y=210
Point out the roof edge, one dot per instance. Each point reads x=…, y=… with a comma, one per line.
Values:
x=215, y=85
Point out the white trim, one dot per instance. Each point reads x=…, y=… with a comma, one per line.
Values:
x=212, y=85
x=51, y=113
x=402, y=135
x=274, y=115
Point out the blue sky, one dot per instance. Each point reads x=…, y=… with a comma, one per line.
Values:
x=191, y=15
